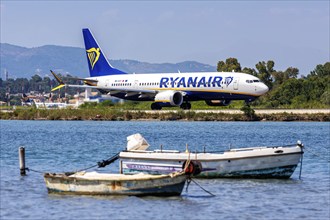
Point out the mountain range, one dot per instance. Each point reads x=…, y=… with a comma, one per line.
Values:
x=22, y=62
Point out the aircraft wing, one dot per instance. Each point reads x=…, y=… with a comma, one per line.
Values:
x=111, y=90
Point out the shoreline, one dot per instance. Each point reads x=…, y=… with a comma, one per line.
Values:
x=322, y=115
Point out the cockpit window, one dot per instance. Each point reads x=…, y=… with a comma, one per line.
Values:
x=252, y=81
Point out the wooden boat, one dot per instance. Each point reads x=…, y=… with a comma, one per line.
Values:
x=256, y=162
x=93, y=183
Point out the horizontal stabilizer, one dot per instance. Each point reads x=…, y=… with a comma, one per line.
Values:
x=59, y=80
x=57, y=87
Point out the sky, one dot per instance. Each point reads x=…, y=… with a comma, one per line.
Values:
x=291, y=33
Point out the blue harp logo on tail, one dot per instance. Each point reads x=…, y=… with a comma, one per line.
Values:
x=93, y=55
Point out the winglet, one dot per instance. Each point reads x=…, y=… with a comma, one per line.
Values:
x=59, y=80
x=57, y=87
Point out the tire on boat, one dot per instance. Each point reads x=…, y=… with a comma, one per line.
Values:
x=193, y=168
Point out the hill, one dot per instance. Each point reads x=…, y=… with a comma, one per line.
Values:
x=22, y=62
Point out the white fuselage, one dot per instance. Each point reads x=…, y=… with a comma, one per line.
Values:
x=194, y=86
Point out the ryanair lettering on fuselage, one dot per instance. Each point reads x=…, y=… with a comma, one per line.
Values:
x=185, y=82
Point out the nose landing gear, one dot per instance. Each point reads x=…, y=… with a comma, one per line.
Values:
x=185, y=106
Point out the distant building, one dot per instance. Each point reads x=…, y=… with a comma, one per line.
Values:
x=6, y=75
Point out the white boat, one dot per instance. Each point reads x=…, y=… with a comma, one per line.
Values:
x=256, y=162
x=93, y=183
x=54, y=105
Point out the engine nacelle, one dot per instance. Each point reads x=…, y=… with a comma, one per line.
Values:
x=217, y=102
x=174, y=98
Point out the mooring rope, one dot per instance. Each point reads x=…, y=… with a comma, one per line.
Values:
x=102, y=163
x=301, y=163
x=33, y=170
x=187, y=162
x=99, y=164
x=202, y=187
x=189, y=180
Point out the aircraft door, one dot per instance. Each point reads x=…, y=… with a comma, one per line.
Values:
x=136, y=84
x=236, y=83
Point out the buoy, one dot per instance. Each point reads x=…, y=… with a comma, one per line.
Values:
x=21, y=153
x=193, y=168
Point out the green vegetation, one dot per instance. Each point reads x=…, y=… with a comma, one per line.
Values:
x=249, y=112
x=286, y=90
x=111, y=114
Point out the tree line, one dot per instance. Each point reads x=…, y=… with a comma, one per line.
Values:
x=37, y=85
x=286, y=89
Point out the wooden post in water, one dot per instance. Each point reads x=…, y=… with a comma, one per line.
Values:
x=21, y=152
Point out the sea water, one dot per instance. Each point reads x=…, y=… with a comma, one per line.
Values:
x=57, y=146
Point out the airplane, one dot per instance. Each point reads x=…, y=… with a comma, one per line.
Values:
x=27, y=100
x=165, y=89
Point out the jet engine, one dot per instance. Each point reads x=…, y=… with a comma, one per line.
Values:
x=217, y=102
x=174, y=98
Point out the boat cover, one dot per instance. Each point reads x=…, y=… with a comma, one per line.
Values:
x=136, y=142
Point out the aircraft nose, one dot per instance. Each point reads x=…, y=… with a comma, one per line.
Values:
x=263, y=88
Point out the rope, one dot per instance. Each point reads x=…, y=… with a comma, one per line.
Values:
x=36, y=171
x=301, y=163
x=202, y=188
x=188, y=183
x=189, y=180
x=187, y=162
x=100, y=164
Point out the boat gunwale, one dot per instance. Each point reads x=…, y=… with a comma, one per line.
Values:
x=144, y=177
x=179, y=180
x=232, y=150
x=211, y=159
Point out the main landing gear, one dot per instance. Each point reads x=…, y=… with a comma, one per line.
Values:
x=155, y=106
x=185, y=106
x=247, y=103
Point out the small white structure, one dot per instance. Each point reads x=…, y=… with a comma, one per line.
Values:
x=136, y=142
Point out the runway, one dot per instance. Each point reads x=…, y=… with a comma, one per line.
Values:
x=237, y=111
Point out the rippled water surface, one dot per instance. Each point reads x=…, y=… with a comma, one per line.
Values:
x=57, y=146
